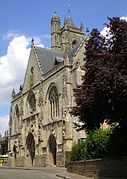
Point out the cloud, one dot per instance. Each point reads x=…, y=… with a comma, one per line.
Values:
x=12, y=69
x=4, y=123
x=10, y=34
x=13, y=65
x=105, y=30
x=46, y=36
x=124, y=18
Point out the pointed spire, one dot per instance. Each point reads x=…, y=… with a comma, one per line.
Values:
x=65, y=21
x=55, y=14
x=69, y=10
x=13, y=92
x=20, y=88
x=81, y=27
x=32, y=42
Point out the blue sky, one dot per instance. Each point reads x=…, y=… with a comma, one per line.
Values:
x=22, y=20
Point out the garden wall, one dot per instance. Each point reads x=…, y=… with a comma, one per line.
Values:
x=100, y=169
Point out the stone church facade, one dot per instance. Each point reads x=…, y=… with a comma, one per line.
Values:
x=41, y=128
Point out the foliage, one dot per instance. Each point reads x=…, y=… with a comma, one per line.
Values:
x=95, y=146
x=97, y=143
x=103, y=93
x=78, y=151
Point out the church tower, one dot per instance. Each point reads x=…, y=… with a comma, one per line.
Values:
x=55, y=32
x=67, y=37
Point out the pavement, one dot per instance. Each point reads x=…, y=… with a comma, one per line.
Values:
x=61, y=173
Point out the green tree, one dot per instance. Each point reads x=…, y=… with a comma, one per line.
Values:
x=78, y=152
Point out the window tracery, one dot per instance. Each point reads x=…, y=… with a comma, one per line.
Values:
x=54, y=102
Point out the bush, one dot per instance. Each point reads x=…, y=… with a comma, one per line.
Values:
x=78, y=151
x=95, y=146
x=97, y=143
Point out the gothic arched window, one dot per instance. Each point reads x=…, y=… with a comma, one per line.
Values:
x=32, y=101
x=16, y=123
x=17, y=111
x=54, y=102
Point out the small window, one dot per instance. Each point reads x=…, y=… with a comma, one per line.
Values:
x=74, y=42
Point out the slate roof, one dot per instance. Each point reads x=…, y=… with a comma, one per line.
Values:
x=47, y=58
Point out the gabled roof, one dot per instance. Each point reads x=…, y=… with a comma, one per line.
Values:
x=47, y=58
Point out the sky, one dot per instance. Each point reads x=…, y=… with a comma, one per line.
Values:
x=26, y=19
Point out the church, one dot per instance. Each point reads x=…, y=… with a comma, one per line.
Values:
x=41, y=127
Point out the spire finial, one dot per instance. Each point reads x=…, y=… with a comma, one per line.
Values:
x=13, y=92
x=87, y=31
x=69, y=10
x=81, y=27
x=32, y=41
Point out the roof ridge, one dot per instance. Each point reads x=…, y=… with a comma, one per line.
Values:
x=49, y=49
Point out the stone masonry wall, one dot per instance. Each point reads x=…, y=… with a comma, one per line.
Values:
x=100, y=169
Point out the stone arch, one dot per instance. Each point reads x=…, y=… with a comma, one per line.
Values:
x=49, y=88
x=30, y=143
x=52, y=97
x=52, y=149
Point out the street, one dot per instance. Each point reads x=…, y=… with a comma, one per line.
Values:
x=29, y=174
x=38, y=173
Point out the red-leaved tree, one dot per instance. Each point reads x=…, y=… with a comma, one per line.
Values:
x=103, y=93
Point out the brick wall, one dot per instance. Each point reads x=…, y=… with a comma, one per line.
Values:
x=101, y=169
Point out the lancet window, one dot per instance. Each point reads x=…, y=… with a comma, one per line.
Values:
x=16, y=122
x=54, y=102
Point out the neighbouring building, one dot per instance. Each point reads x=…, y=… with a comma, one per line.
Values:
x=4, y=144
x=41, y=128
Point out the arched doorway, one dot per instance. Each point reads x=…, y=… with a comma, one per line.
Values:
x=30, y=142
x=52, y=148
